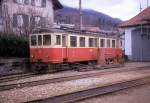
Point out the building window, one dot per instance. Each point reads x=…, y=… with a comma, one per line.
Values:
x=73, y=41
x=46, y=39
x=20, y=20
x=22, y=1
x=0, y=10
x=33, y=2
x=113, y=43
x=82, y=41
x=91, y=42
x=102, y=43
x=38, y=3
x=58, y=40
x=37, y=21
x=108, y=43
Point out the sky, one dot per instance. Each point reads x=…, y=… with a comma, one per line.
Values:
x=122, y=9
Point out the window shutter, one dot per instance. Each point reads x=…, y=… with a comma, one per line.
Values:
x=15, y=20
x=43, y=3
x=26, y=20
x=33, y=2
x=26, y=2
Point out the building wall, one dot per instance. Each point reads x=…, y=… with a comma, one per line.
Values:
x=137, y=44
x=141, y=44
x=28, y=11
x=128, y=42
x=1, y=19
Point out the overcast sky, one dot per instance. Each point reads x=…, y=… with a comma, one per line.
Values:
x=123, y=9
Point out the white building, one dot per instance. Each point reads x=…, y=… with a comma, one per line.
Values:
x=21, y=16
x=137, y=36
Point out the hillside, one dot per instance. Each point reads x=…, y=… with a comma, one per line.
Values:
x=91, y=18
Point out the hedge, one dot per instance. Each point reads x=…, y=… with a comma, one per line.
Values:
x=12, y=45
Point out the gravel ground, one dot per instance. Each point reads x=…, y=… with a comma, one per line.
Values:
x=49, y=90
x=71, y=73
x=139, y=94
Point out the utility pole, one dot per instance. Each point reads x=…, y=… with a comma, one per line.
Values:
x=147, y=3
x=140, y=5
x=80, y=14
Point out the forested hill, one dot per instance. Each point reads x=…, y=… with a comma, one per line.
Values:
x=91, y=18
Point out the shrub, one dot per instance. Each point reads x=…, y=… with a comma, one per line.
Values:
x=12, y=45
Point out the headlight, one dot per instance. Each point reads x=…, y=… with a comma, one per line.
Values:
x=32, y=56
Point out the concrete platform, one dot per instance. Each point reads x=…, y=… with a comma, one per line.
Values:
x=55, y=89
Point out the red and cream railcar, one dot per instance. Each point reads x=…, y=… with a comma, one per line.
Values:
x=60, y=47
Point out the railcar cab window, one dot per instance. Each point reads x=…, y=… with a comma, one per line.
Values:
x=58, y=40
x=102, y=43
x=39, y=40
x=47, y=40
x=113, y=43
x=82, y=41
x=108, y=43
x=91, y=42
x=33, y=40
x=73, y=41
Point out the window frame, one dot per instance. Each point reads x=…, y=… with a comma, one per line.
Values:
x=35, y=41
x=113, y=46
x=50, y=43
x=104, y=43
x=76, y=41
x=41, y=40
x=60, y=39
x=108, y=46
x=84, y=43
x=96, y=40
x=91, y=43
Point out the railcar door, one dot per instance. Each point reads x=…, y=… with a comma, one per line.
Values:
x=65, y=48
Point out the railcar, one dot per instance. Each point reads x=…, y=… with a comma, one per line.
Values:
x=51, y=48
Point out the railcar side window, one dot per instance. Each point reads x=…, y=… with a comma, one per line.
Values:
x=108, y=43
x=73, y=41
x=58, y=40
x=96, y=42
x=33, y=40
x=113, y=43
x=82, y=41
x=39, y=40
x=46, y=39
x=91, y=42
x=102, y=43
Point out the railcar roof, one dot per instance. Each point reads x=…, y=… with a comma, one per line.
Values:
x=76, y=32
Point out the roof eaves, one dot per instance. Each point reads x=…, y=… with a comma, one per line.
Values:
x=57, y=5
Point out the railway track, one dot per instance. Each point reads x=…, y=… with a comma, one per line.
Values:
x=86, y=94
x=68, y=78
x=16, y=77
